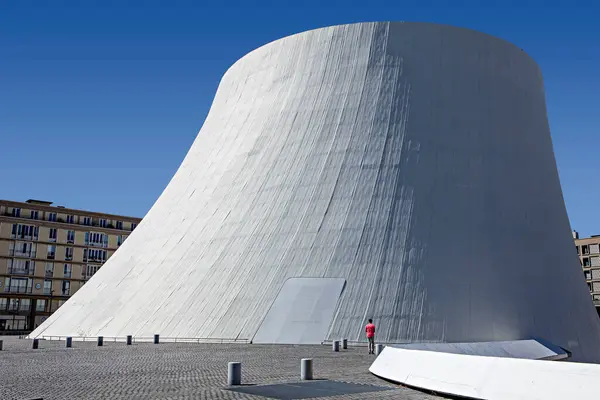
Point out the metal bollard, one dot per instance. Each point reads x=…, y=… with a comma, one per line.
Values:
x=129, y=340
x=378, y=349
x=100, y=340
x=36, y=344
x=306, y=369
x=335, y=346
x=234, y=373
x=344, y=344
x=69, y=342
x=0, y=345
x=156, y=339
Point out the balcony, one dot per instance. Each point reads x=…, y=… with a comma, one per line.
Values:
x=69, y=258
x=49, y=274
x=96, y=244
x=23, y=237
x=51, y=256
x=67, y=275
x=93, y=259
x=17, y=289
x=20, y=271
x=24, y=254
x=65, y=292
x=48, y=291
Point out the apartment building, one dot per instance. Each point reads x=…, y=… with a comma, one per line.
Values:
x=47, y=253
x=588, y=250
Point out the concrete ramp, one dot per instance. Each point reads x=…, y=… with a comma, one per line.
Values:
x=302, y=312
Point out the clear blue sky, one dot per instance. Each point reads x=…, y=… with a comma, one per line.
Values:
x=100, y=100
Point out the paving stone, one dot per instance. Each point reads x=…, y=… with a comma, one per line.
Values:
x=173, y=370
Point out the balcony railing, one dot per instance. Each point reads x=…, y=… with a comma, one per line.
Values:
x=49, y=274
x=95, y=259
x=65, y=292
x=67, y=275
x=17, y=289
x=48, y=292
x=24, y=237
x=51, y=256
x=96, y=244
x=21, y=271
x=26, y=254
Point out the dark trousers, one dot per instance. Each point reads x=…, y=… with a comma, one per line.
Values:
x=371, y=345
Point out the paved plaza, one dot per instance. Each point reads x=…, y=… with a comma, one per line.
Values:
x=173, y=370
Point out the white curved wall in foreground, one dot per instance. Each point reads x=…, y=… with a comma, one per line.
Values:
x=412, y=160
x=490, y=378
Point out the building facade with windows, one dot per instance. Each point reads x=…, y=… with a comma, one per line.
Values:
x=47, y=253
x=588, y=250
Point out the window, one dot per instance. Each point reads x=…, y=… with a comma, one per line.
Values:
x=18, y=285
x=585, y=249
x=87, y=220
x=3, y=303
x=68, y=253
x=94, y=255
x=48, y=287
x=96, y=239
x=70, y=236
x=119, y=224
x=67, y=270
x=119, y=240
x=70, y=219
x=52, y=217
x=103, y=222
x=587, y=274
x=49, y=270
x=34, y=214
x=40, y=305
x=16, y=212
x=133, y=225
x=91, y=270
x=66, y=288
x=24, y=304
x=51, y=252
x=21, y=267
x=52, y=235
x=22, y=249
x=25, y=232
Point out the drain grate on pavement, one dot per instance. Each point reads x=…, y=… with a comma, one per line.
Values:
x=306, y=390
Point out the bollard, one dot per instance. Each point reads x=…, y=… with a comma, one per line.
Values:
x=155, y=339
x=69, y=342
x=378, y=349
x=306, y=369
x=0, y=345
x=335, y=346
x=234, y=373
x=344, y=344
x=129, y=340
x=100, y=340
x=36, y=343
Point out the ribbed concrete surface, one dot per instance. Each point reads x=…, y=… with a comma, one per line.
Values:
x=413, y=160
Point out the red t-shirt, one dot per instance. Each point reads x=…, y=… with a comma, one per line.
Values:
x=370, y=330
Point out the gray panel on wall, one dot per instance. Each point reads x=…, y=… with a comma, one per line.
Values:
x=414, y=160
x=302, y=312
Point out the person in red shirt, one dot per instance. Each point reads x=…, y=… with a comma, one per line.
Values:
x=370, y=329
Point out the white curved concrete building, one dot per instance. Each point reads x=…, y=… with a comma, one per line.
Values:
x=407, y=169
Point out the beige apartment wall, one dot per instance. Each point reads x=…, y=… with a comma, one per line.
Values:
x=4, y=246
x=78, y=254
x=43, y=233
x=5, y=229
x=62, y=236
